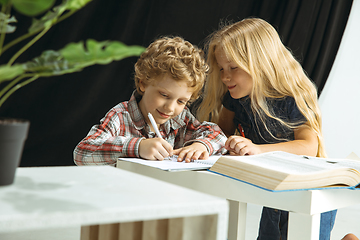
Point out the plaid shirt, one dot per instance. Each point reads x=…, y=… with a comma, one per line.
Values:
x=121, y=130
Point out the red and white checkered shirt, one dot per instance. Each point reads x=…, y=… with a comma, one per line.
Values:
x=121, y=130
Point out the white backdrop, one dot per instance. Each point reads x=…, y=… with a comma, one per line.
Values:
x=340, y=98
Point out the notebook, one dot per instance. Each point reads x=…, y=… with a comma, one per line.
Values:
x=171, y=163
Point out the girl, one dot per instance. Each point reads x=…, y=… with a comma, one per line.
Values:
x=256, y=86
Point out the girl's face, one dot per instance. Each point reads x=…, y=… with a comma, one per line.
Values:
x=165, y=99
x=238, y=82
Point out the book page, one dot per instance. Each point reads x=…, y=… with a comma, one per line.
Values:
x=281, y=170
x=344, y=162
x=171, y=163
x=290, y=163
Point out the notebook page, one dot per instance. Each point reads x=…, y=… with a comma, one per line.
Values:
x=171, y=164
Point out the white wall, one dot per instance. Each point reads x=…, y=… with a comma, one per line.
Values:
x=340, y=99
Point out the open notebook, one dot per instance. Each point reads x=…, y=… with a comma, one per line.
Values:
x=171, y=164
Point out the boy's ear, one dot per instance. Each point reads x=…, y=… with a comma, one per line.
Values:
x=142, y=86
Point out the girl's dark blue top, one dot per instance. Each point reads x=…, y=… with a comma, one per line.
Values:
x=254, y=129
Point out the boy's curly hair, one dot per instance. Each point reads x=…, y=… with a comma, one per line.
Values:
x=176, y=57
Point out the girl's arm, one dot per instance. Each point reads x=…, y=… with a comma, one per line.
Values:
x=226, y=122
x=305, y=143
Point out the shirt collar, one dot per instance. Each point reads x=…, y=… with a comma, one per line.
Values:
x=135, y=112
x=176, y=122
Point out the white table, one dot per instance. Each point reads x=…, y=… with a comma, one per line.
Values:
x=305, y=207
x=56, y=197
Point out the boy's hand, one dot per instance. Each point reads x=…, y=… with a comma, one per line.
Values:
x=192, y=152
x=155, y=149
x=237, y=145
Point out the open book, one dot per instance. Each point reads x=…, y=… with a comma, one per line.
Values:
x=278, y=171
x=171, y=164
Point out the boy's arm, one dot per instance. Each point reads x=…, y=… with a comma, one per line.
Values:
x=194, y=151
x=206, y=133
x=108, y=141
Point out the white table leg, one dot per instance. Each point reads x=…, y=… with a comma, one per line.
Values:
x=302, y=226
x=237, y=220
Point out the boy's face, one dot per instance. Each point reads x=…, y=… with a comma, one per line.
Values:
x=164, y=99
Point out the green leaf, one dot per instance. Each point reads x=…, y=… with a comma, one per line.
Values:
x=49, y=62
x=52, y=16
x=48, y=19
x=32, y=7
x=76, y=4
x=5, y=18
x=3, y=2
x=98, y=52
x=10, y=72
x=76, y=56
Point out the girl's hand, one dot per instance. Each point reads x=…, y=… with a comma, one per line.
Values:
x=155, y=149
x=237, y=145
x=192, y=152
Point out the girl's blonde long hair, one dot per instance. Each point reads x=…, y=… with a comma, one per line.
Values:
x=255, y=46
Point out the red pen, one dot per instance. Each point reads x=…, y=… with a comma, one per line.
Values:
x=241, y=130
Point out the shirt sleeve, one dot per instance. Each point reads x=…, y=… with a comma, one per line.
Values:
x=108, y=141
x=293, y=112
x=207, y=133
x=287, y=110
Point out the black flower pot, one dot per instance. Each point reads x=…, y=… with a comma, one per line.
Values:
x=13, y=133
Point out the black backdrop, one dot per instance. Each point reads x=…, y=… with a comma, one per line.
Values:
x=62, y=109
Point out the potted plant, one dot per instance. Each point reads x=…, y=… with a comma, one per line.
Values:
x=72, y=58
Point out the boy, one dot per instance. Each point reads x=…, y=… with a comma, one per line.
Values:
x=168, y=75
